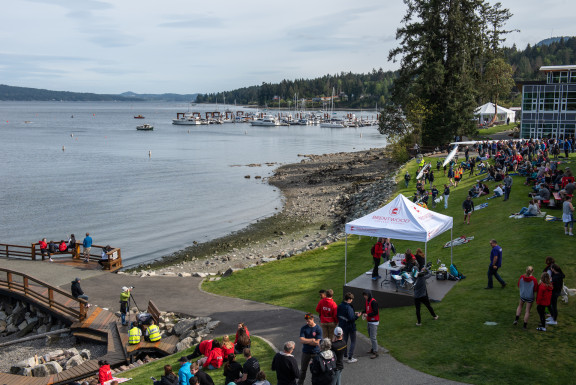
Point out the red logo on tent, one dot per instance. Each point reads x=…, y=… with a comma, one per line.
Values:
x=395, y=211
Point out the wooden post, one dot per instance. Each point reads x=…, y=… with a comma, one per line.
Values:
x=7, y=254
x=76, y=250
x=33, y=251
x=50, y=297
x=26, y=286
x=9, y=279
x=82, y=311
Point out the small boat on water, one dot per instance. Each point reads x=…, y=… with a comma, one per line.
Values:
x=145, y=127
x=266, y=120
x=139, y=117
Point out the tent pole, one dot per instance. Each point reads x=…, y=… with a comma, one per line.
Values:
x=425, y=254
x=345, y=258
x=451, y=247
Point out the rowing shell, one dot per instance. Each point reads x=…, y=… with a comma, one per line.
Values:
x=450, y=156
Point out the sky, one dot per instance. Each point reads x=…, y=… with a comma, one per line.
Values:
x=186, y=46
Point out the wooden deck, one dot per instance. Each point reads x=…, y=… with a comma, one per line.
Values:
x=96, y=325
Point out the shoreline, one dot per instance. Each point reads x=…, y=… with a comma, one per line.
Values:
x=319, y=194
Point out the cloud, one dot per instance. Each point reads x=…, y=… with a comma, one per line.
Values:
x=194, y=21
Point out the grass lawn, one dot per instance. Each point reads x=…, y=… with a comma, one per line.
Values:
x=260, y=349
x=482, y=133
x=458, y=346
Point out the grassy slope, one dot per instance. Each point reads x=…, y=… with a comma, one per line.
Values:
x=141, y=375
x=458, y=346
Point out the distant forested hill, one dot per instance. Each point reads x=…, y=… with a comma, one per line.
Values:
x=352, y=90
x=553, y=51
x=27, y=94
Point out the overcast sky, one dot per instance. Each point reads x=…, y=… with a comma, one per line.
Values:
x=187, y=46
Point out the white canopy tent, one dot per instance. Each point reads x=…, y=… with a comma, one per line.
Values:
x=400, y=219
x=486, y=112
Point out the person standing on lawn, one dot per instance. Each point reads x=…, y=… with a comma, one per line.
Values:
x=347, y=322
x=327, y=309
x=557, y=279
x=468, y=207
x=421, y=295
x=508, y=186
x=528, y=286
x=310, y=336
x=543, y=299
x=372, y=316
x=446, y=196
x=495, y=264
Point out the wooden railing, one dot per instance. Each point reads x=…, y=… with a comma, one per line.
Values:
x=33, y=252
x=43, y=294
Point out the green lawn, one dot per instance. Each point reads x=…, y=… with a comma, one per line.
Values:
x=458, y=346
x=496, y=129
x=260, y=349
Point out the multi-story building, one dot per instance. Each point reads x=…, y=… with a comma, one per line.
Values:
x=549, y=107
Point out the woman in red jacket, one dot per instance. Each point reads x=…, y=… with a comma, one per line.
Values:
x=543, y=299
x=104, y=373
x=227, y=347
x=214, y=359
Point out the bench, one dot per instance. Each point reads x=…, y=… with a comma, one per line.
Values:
x=153, y=311
x=114, y=261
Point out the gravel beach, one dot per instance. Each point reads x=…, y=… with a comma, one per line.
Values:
x=320, y=194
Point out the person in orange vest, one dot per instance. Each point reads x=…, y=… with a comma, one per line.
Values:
x=372, y=316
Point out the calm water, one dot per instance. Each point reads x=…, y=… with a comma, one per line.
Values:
x=104, y=182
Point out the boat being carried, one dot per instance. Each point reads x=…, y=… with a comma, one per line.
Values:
x=145, y=127
x=139, y=117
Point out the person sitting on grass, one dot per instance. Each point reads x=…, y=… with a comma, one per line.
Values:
x=169, y=378
x=232, y=370
x=242, y=340
x=261, y=379
x=531, y=211
x=203, y=377
x=214, y=359
x=498, y=191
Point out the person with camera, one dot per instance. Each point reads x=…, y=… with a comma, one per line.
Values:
x=124, y=303
x=421, y=294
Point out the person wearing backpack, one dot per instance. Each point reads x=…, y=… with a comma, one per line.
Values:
x=323, y=365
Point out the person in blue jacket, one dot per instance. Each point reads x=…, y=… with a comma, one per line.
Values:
x=87, y=245
x=184, y=374
x=347, y=321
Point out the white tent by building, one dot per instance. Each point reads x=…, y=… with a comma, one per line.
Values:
x=400, y=219
x=486, y=112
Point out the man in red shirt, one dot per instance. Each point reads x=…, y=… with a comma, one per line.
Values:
x=327, y=309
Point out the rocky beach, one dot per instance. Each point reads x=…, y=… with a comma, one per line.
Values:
x=320, y=194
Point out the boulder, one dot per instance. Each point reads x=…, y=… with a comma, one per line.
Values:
x=228, y=272
x=73, y=361
x=85, y=354
x=42, y=329
x=184, y=325
x=184, y=274
x=71, y=352
x=53, y=367
x=3, y=315
x=3, y=325
x=201, y=275
x=25, y=372
x=28, y=362
x=22, y=325
x=184, y=344
x=55, y=353
x=212, y=325
x=40, y=371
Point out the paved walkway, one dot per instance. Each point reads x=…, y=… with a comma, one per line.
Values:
x=276, y=324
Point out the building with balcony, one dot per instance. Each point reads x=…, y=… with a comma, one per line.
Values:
x=549, y=107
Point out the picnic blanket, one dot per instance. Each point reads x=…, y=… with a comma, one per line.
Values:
x=552, y=218
x=480, y=206
x=458, y=241
x=540, y=215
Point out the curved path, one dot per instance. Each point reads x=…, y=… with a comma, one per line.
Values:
x=274, y=323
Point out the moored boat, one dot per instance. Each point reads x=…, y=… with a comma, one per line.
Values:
x=138, y=117
x=145, y=127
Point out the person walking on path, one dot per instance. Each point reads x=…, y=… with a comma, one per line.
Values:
x=557, y=284
x=286, y=366
x=347, y=322
x=376, y=252
x=339, y=349
x=543, y=299
x=372, y=315
x=508, y=186
x=310, y=336
x=528, y=286
x=468, y=207
x=567, y=215
x=446, y=196
x=87, y=245
x=495, y=264
x=327, y=310
x=421, y=295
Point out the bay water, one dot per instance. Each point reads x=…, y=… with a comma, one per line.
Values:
x=77, y=167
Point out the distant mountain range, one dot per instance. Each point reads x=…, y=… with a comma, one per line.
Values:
x=36, y=94
x=552, y=40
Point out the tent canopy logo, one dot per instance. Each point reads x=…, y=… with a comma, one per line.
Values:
x=394, y=210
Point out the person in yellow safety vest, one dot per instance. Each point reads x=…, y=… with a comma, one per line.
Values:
x=134, y=334
x=153, y=333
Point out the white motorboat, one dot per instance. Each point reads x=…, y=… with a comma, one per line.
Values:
x=266, y=120
x=145, y=127
x=187, y=120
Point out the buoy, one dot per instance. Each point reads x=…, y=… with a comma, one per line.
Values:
x=72, y=135
x=63, y=148
x=149, y=154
